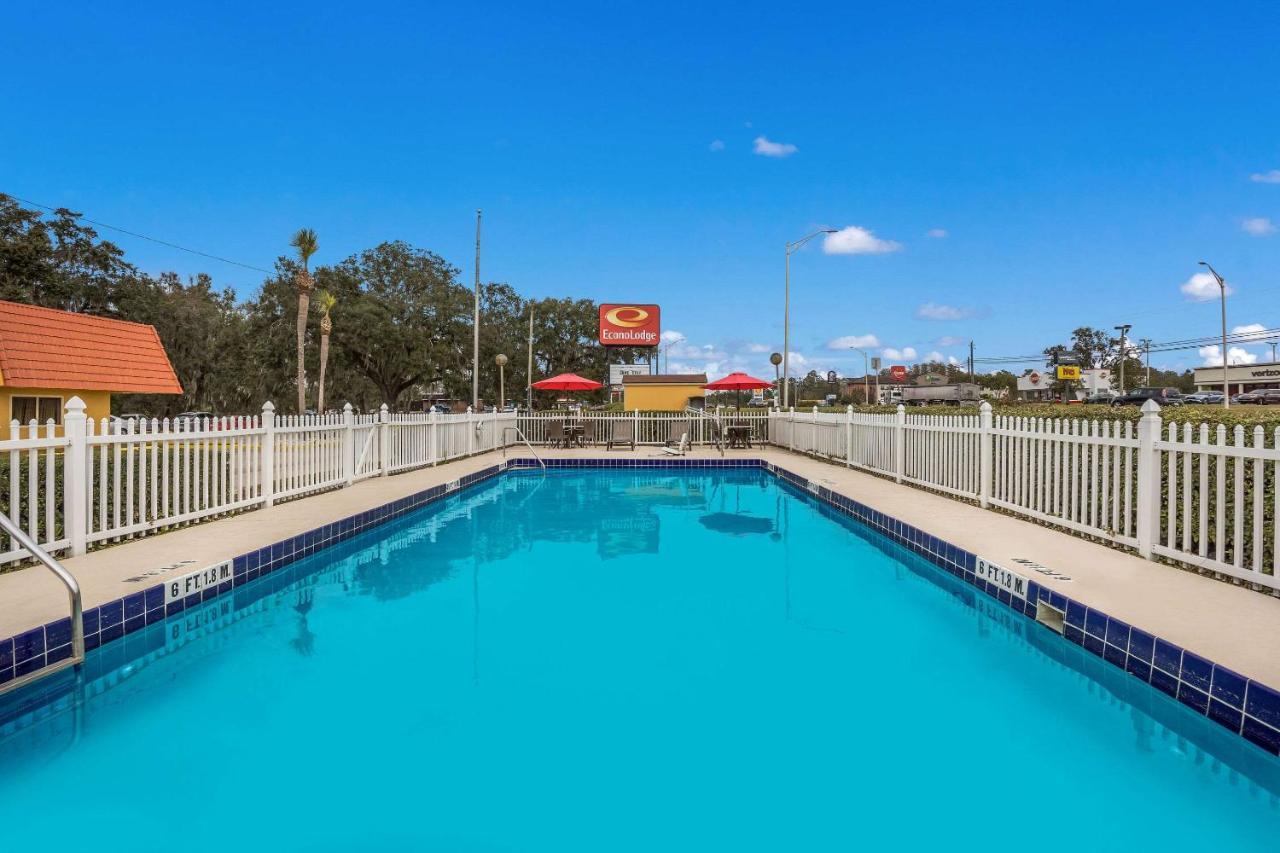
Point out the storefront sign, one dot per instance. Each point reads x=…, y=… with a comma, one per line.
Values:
x=1067, y=371
x=630, y=325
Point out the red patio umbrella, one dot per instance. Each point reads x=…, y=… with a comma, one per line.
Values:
x=567, y=382
x=738, y=382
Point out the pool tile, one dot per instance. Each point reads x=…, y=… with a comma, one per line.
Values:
x=155, y=597
x=58, y=633
x=1141, y=645
x=1224, y=715
x=1095, y=623
x=1196, y=671
x=1075, y=614
x=135, y=605
x=1164, y=682
x=1262, y=735
x=1264, y=703
x=111, y=613
x=1193, y=698
x=1168, y=657
x=28, y=645
x=1228, y=686
x=1118, y=634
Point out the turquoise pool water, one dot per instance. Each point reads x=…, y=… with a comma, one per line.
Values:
x=619, y=660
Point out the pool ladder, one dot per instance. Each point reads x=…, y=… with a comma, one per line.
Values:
x=521, y=434
x=73, y=593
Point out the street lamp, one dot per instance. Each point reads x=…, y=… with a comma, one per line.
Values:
x=775, y=360
x=1222, y=287
x=1123, y=329
x=501, y=361
x=866, y=377
x=786, y=311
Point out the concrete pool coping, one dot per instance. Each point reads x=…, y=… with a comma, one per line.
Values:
x=1231, y=625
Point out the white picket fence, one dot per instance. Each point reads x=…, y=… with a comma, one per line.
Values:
x=87, y=481
x=1201, y=496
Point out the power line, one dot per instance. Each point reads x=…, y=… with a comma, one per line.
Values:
x=144, y=236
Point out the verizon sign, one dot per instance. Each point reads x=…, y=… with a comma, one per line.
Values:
x=630, y=325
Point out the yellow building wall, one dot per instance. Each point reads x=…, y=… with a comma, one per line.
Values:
x=97, y=403
x=659, y=398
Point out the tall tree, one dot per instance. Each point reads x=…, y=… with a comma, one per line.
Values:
x=305, y=243
x=325, y=302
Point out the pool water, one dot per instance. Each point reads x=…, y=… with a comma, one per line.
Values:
x=620, y=660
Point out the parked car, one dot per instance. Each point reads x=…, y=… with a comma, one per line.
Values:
x=1246, y=398
x=1203, y=398
x=1269, y=396
x=1138, y=396
x=1105, y=398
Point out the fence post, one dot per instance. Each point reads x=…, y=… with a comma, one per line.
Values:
x=848, y=436
x=635, y=425
x=900, y=443
x=384, y=441
x=984, y=454
x=75, y=496
x=1148, y=496
x=791, y=429
x=348, y=444
x=471, y=431
x=434, y=452
x=268, y=466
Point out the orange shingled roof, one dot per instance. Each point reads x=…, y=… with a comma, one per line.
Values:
x=46, y=348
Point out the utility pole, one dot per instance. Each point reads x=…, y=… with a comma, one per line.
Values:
x=1273, y=352
x=475, y=328
x=1226, y=383
x=1123, y=329
x=971, y=361
x=1146, y=347
x=529, y=390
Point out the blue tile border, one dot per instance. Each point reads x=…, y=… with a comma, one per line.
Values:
x=1243, y=706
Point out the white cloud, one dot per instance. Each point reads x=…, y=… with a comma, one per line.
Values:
x=904, y=354
x=1251, y=331
x=1212, y=356
x=1271, y=177
x=1258, y=226
x=951, y=359
x=856, y=240
x=768, y=148
x=756, y=348
x=950, y=341
x=671, y=335
x=851, y=341
x=936, y=233
x=934, y=356
x=717, y=145
x=937, y=311
x=1202, y=287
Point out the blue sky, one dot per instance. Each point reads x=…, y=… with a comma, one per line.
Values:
x=1073, y=161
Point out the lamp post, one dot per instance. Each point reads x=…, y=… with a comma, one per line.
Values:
x=775, y=360
x=866, y=377
x=1123, y=329
x=1146, y=348
x=475, y=328
x=1222, y=287
x=501, y=361
x=786, y=312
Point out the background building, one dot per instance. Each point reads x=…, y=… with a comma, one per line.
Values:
x=48, y=356
x=663, y=393
x=1241, y=377
x=1039, y=384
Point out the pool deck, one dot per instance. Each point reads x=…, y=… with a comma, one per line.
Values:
x=1234, y=626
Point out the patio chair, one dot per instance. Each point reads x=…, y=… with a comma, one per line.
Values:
x=678, y=434
x=555, y=433
x=621, y=432
x=590, y=426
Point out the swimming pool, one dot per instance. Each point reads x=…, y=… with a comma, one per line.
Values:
x=621, y=660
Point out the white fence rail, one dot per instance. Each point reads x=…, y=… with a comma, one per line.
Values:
x=1201, y=496
x=87, y=481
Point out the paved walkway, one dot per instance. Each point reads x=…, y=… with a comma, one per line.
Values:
x=1234, y=626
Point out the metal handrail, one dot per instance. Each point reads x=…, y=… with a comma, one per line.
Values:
x=520, y=433
x=73, y=593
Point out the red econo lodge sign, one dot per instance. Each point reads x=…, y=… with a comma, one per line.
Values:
x=898, y=373
x=630, y=325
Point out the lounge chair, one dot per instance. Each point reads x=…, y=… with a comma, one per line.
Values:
x=621, y=432
x=678, y=434
x=590, y=426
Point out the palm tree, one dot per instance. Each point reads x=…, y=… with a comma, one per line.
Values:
x=305, y=242
x=324, y=302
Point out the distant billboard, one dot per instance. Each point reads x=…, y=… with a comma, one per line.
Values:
x=898, y=373
x=630, y=325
